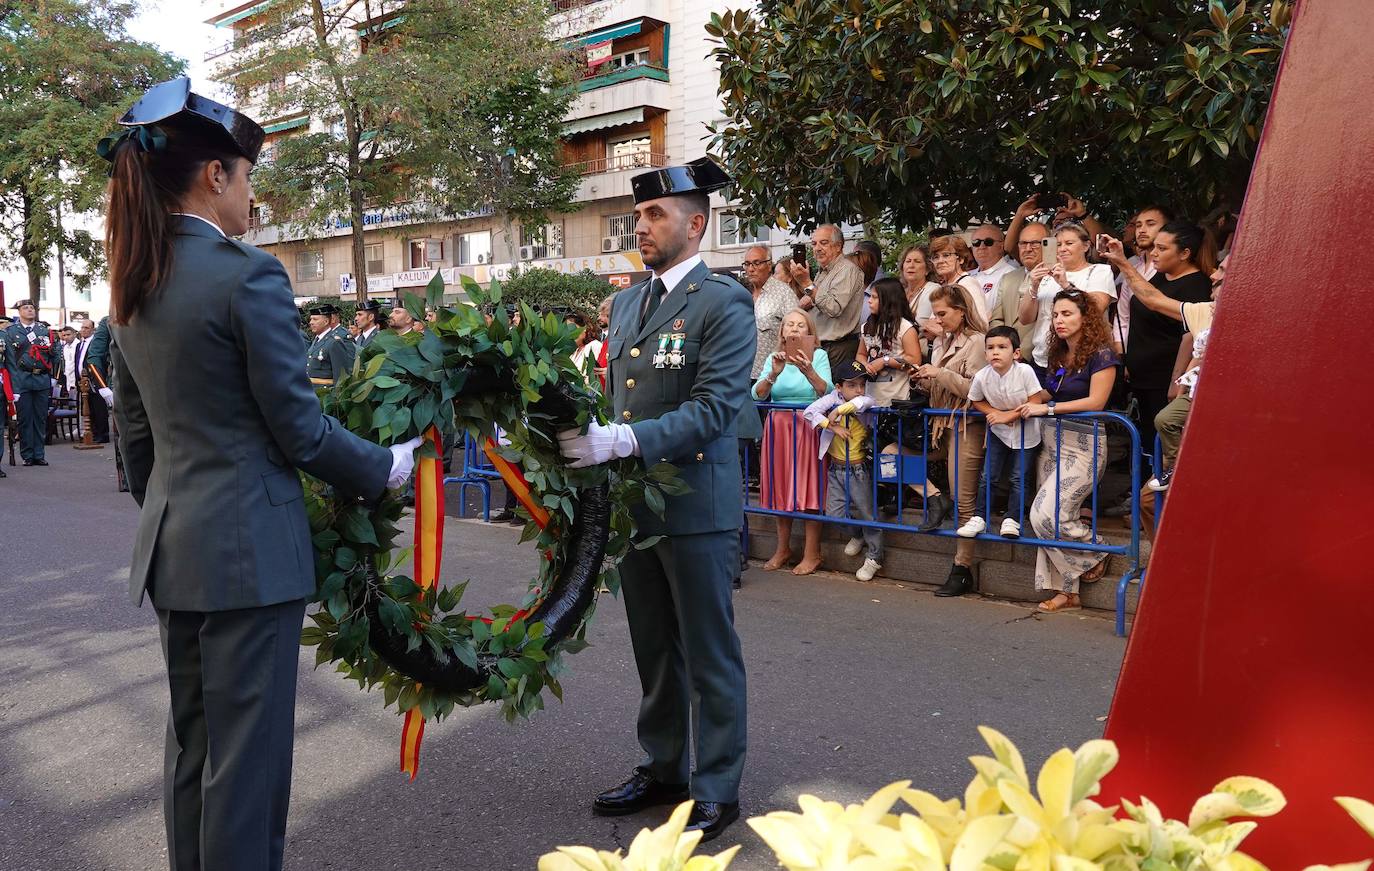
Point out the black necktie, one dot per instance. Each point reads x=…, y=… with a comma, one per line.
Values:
x=656, y=294
x=80, y=349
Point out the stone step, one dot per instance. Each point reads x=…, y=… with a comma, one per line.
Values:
x=1001, y=569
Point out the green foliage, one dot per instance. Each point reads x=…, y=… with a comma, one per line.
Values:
x=546, y=289
x=948, y=110
x=68, y=70
x=400, y=386
x=442, y=109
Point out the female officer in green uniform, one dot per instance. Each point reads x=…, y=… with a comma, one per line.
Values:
x=215, y=417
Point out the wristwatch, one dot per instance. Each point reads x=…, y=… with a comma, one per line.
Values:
x=1050, y=407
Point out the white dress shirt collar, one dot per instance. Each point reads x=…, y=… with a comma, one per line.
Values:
x=671, y=278
x=218, y=228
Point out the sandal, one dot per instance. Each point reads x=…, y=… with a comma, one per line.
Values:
x=1061, y=602
x=1095, y=573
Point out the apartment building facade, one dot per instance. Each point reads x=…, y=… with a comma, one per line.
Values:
x=648, y=94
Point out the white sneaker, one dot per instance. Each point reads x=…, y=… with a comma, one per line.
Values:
x=867, y=570
x=853, y=547
x=1011, y=529
x=972, y=527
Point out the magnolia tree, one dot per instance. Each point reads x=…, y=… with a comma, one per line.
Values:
x=454, y=106
x=926, y=111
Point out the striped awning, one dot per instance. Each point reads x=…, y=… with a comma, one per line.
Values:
x=616, y=32
x=601, y=122
x=288, y=124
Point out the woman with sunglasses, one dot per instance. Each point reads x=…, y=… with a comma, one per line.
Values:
x=1082, y=370
x=954, y=359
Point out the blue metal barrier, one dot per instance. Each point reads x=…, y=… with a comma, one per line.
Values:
x=477, y=472
x=910, y=470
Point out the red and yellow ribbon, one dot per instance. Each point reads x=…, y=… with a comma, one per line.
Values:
x=429, y=553
x=429, y=550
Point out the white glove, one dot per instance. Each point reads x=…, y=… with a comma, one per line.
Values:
x=402, y=462
x=108, y=395
x=601, y=444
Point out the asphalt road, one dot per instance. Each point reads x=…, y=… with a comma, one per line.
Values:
x=851, y=686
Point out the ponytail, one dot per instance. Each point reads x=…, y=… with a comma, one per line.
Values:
x=146, y=186
x=1201, y=245
x=138, y=233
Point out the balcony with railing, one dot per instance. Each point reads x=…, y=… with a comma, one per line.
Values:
x=604, y=77
x=619, y=163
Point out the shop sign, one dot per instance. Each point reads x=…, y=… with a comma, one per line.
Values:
x=602, y=264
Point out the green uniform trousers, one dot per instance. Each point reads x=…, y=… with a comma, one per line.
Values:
x=678, y=600
x=227, y=781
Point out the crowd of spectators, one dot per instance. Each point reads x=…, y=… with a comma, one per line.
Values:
x=1051, y=316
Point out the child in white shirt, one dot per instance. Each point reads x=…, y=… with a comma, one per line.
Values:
x=998, y=390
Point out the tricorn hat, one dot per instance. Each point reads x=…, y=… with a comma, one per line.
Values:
x=700, y=176
x=174, y=99
x=371, y=305
x=23, y=302
x=323, y=309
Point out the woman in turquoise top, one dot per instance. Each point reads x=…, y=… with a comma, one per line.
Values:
x=789, y=464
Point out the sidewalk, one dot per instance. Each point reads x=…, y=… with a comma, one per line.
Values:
x=851, y=686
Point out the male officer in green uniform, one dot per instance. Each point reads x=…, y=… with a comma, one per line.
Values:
x=333, y=350
x=681, y=345
x=33, y=365
x=367, y=317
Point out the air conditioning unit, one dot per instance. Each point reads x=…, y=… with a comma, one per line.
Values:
x=481, y=259
x=526, y=252
x=610, y=244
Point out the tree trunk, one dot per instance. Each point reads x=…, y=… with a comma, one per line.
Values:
x=353, y=131
x=33, y=257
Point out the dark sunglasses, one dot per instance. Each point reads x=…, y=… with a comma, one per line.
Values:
x=979, y=243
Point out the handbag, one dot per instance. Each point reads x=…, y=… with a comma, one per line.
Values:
x=906, y=416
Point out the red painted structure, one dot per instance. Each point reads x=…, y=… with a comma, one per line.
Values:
x=1253, y=648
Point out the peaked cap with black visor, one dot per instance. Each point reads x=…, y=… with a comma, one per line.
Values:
x=699, y=176
x=174, y=101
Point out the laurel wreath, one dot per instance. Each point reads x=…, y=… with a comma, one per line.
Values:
x=465, y=373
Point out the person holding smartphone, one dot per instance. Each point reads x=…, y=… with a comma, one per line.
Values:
x=1070, y=270
x=798, y=374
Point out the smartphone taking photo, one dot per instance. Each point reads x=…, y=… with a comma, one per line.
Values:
x=799, y=255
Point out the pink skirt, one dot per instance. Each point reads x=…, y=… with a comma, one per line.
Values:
x=790, y=475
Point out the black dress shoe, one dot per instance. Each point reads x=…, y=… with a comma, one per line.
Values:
x=28, y=462
x=938, y=507
x=711, y=818
x=959, y=582
x=502, y=516
x=641, y=791
x=40, y=462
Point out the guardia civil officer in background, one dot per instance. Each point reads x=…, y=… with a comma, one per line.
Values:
x=215, y=416
x=366, y=318
x=681, y=347
x=333, y=349
x=32, y=360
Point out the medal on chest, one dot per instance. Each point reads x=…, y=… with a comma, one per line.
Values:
x=676, y=357
x=661, y=355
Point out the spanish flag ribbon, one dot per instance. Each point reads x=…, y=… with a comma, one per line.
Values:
x=516, y=483
x=429, y=548
x=429, y=554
